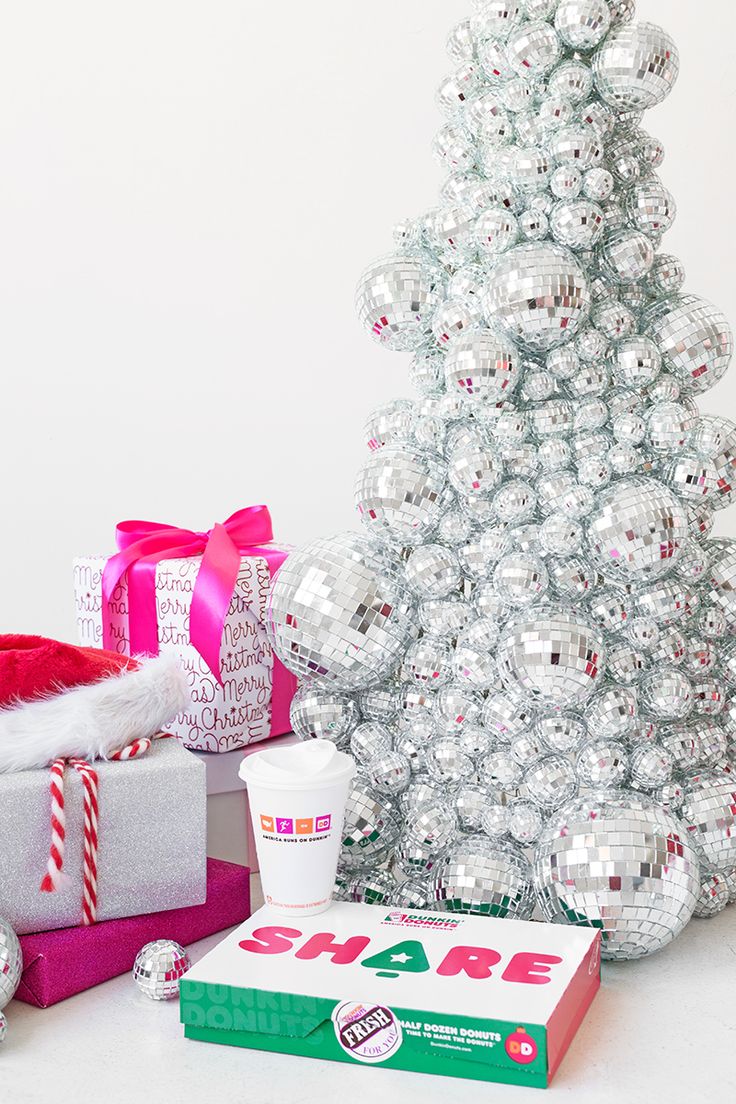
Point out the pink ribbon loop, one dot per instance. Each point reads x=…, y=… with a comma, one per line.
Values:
x=143, y=544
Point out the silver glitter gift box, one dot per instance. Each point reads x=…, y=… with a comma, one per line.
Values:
x=152, y=840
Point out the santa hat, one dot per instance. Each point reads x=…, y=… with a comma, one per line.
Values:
x=61, y=701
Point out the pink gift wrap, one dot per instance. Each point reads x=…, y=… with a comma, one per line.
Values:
x=59, y=964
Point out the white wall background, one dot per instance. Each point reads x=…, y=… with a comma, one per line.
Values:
x=188, y=192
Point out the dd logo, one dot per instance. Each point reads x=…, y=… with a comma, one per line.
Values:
x=520, y=1047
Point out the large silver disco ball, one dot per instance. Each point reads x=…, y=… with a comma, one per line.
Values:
x=709, y=815
x=694, y=338
x=538, y=295
x=338, y=613
x=637, y=529
x=480, y=876
x=396, y=299
x=400, y=495
x=555, y=657
x=619, y=862
x=636, y=66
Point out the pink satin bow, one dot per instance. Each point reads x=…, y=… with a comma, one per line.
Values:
x=143, y=544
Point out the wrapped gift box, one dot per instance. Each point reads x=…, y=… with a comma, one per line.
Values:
x=58, y=964
x=152, y=840
x=252, y=702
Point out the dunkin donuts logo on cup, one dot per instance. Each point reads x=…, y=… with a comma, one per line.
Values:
x=367, y=1032
x=299, y=826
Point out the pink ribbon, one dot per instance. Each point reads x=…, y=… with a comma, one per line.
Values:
x=143, y=544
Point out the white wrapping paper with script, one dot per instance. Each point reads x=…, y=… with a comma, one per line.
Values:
x=219, y=717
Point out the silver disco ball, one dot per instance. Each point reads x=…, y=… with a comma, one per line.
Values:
x=371, y=888
x=412, y=860
x=396, y=299
x=480, y=876
x=722, y=574
x=715, y=438
x=636, y=66
x=319, y=714
x=582, y=24
x=399, y=495
x=533, y=49
x=370, y=828
x=482, y=367
x=694, y=338
x=389, y=424
x=627, y=256
x=158, y=967
x=413, y=895
x=369, y=739
x=651, y=207
x=538, y=295
x=709, y=815
x=618, y=862
x=555, y=657
x=338, y=613
x=637, y=530
x=11, y=962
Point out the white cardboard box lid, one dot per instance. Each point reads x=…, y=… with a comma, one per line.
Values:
x=492, y=997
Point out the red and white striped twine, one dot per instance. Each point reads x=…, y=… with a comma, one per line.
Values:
x=52, y=878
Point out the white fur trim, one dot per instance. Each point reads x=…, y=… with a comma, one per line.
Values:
x=90, y=722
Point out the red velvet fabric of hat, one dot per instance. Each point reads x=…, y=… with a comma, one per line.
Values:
x=62, y=701
x=33, y=667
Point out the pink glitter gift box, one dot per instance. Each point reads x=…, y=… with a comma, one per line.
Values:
x=58, y=964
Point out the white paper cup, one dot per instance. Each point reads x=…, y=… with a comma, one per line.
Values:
x=297, y=801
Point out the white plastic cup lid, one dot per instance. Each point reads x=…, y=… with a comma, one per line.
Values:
x=302, y=766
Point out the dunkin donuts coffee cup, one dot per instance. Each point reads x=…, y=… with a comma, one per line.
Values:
x=297, y=798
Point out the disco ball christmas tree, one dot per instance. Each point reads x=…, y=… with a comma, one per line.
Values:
x=531, y=648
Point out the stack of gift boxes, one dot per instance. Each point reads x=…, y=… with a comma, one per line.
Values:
x=147, y=813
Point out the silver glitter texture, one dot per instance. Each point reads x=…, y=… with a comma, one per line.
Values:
x=158, y=967
x=156, y=801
